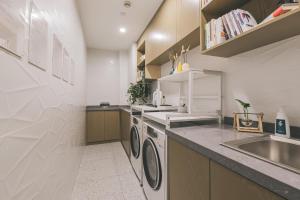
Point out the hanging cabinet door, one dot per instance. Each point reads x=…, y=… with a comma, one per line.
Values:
x=188, y=17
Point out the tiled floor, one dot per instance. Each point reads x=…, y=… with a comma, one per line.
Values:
x=106, y=174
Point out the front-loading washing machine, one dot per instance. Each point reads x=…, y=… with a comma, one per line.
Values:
x=136, y=146
x=154, y=162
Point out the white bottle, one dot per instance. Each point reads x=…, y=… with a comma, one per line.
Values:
x=282, y=126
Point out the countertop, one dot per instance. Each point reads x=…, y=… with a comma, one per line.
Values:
x=108, y=108
x=206, y=140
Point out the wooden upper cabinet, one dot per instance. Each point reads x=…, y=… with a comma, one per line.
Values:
x=112, y=125
x=162, y=31
x=188, y=17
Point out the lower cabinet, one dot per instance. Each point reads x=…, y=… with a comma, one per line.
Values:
x=125, y=131
x=188, y=173
x=192, y=176
x=102, y=126
x=227, y=185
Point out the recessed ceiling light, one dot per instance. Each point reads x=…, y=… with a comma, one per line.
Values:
x=127, y=4
x=123, y=30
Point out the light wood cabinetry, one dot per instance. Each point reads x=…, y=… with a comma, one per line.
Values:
x=188, y=173
x=102, y=126
x=227, y=185
x=112, y=125
x=95, y=126
x=125, y=131
x=162, y=32
x=188, y=17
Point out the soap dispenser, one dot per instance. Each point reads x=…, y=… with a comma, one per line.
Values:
x=282, y=126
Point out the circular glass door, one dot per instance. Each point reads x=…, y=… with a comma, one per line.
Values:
x=135, y=142
x=152, y=166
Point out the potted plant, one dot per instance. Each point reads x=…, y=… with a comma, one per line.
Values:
x=138, y=92
x=246, y=121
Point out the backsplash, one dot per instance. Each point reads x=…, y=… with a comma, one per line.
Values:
x=42, y=118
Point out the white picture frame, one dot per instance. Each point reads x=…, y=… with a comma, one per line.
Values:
x=66, y=66
x=38, y=38
x=12, y=26
x=57, y=57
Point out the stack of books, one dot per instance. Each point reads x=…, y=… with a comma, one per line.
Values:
x=205, y=2
x=228, y=26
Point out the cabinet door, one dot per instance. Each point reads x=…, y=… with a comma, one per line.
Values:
x=95, y=126
x=188, y=17
x=188, y=173
x=162, y=31
x=112, y=125
x=227, y=185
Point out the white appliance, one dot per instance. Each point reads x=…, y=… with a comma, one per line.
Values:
x=136, y=133
x=154, y=162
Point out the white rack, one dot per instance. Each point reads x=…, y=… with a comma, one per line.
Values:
x=189, y=76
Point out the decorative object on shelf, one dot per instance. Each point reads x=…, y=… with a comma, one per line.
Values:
x=256, y=126
x=246, y=124
x=172, y=59
x=138, y=92
x=186, y=65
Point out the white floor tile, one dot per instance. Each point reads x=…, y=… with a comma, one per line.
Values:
x=106, y=174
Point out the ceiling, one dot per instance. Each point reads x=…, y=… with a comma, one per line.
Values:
x=102, y=20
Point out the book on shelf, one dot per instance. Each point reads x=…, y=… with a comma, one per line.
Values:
x=228, y=26
x=284, y=8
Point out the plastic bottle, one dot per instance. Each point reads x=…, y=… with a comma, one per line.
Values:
x=282, y=126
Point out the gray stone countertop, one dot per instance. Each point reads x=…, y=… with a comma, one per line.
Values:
x=207, y=141
x=108, y=108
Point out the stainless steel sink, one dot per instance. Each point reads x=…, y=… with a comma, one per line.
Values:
x=278, y=151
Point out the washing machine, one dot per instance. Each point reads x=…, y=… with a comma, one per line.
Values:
x=154, y=162
x=136, y=132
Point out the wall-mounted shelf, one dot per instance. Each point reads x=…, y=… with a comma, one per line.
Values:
x=190, y=76
x=220, y=7
x=185, y=75
x=280, y=28
x=141, y=64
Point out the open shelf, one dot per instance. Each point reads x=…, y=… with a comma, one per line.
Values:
x=280, y=28
x=220, y=7
x=141, y=64
x=142, y=48
x=184, y=76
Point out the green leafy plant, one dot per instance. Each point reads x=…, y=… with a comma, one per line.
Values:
x=138, y=91
x=245, y=108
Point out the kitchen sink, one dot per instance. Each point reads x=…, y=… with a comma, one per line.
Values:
x=279, y=151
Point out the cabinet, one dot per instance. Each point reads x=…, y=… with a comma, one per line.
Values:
x=188, y=17
x=125, y=131
x=227, y=185
x=162, y=31
x=188, y=173
x=95, y=126
x=103, y=126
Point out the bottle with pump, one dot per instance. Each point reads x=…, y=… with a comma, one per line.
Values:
x=282, y=126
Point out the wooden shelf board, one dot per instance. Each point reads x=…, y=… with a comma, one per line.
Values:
x=142, y=48
x=220, y=7
x=141, y=64
x=280, y=28
x=193, y=39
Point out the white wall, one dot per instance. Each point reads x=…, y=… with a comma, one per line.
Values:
x=107, y=77
x=267, y=77
x=42, y=118
x=132, y=63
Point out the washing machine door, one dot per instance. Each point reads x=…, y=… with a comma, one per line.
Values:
x=135, y=142
x=152, y=165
